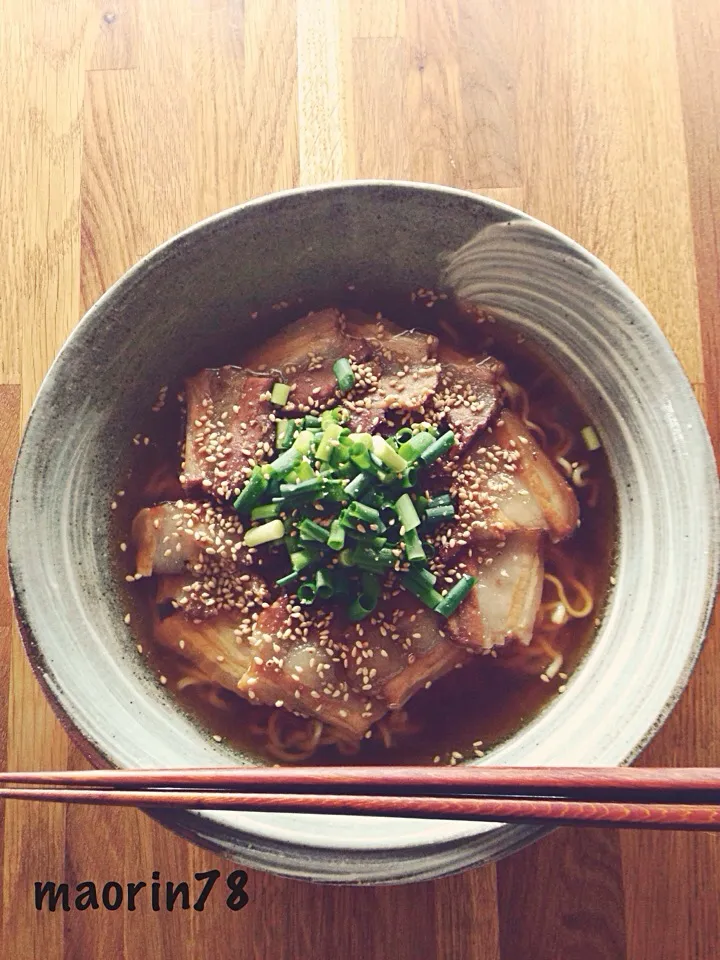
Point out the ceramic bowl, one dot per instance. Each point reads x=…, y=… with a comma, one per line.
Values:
x=205, y=284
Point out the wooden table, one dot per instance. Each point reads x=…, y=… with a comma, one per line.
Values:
x=123, y=121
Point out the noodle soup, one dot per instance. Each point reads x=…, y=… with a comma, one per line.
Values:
x=379, y=601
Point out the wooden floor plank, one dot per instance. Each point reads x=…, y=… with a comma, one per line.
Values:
x=219, y=137
x=671, y=918
x=466, y=916
x=325, y=103
x=47, y=44
x=697, y=29
x=382, y=147
x=433, y=108
x=141, y=184
x=9, y=437
x=271, y=90
x=112, y=35
x=488, y=54
x=630, y=161
x=563, y=898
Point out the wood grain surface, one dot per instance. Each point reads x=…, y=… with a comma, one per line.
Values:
x=122, y=121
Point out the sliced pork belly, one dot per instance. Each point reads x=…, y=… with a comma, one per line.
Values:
x=504, y=602
x=303, y=354
x=553, y=494
x=214, y=647
x=294, y=666
x=399, y=650
x=505, y=484
x=214, y=590
x=403, y=373
x=469, y=396
x=227, y=423
x=171, y=538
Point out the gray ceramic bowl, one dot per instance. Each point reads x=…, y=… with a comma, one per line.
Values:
x=206, y=283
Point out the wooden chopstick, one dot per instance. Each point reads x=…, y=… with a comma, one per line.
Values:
x=633, y=797
x=589, y=783
x=505, y=809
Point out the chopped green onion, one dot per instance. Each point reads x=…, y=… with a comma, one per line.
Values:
x=344, y=374
x=328, y=441
x=265, y=533
x=279, y=394
x=287, y=579
x=306, y=592
x=407, y=514
x=365, y=439
x=266, y=512
x=366, y=600
x=368, y=558
x=422, y=576
x=252, y=491
x=428, y=595
x=413, y=546
x=360, y=511
x=304, y=441
x=437, y=448
x=284, y=433
x=311, y=421
x=304, y=471
x=346, y=557
x=455, y=595
x=324, y=587
x=334, y=489
x=590, y=438
x=441, y=500
x=357, y=486
x=356, y=610
x=360, y=456
x=410, y=477
x=305, y=490
x=415, y=446
x=370, y=586
x=341, y=582
x=441, y=514
x=387, y=455
x=338, y=414
x=336, y=540
x=403, y=434
x=309, y=530
x=287, y=461
x=340, y=455
x=300, y=559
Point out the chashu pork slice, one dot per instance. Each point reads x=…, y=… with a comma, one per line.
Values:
x=227, y=424
x=402, y=375
x=468, y=396
x=552, y=492
x=295, y=665
x=218, y=647
x=506, y=484
x=171, y=538
x=504, y=602
x=303, y=353
x=400, y=649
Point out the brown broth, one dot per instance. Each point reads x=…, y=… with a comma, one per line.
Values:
x=485, y=700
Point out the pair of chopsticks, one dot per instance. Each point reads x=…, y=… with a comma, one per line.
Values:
x=684, y=799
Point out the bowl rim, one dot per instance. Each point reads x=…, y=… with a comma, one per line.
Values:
x=172, y=247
